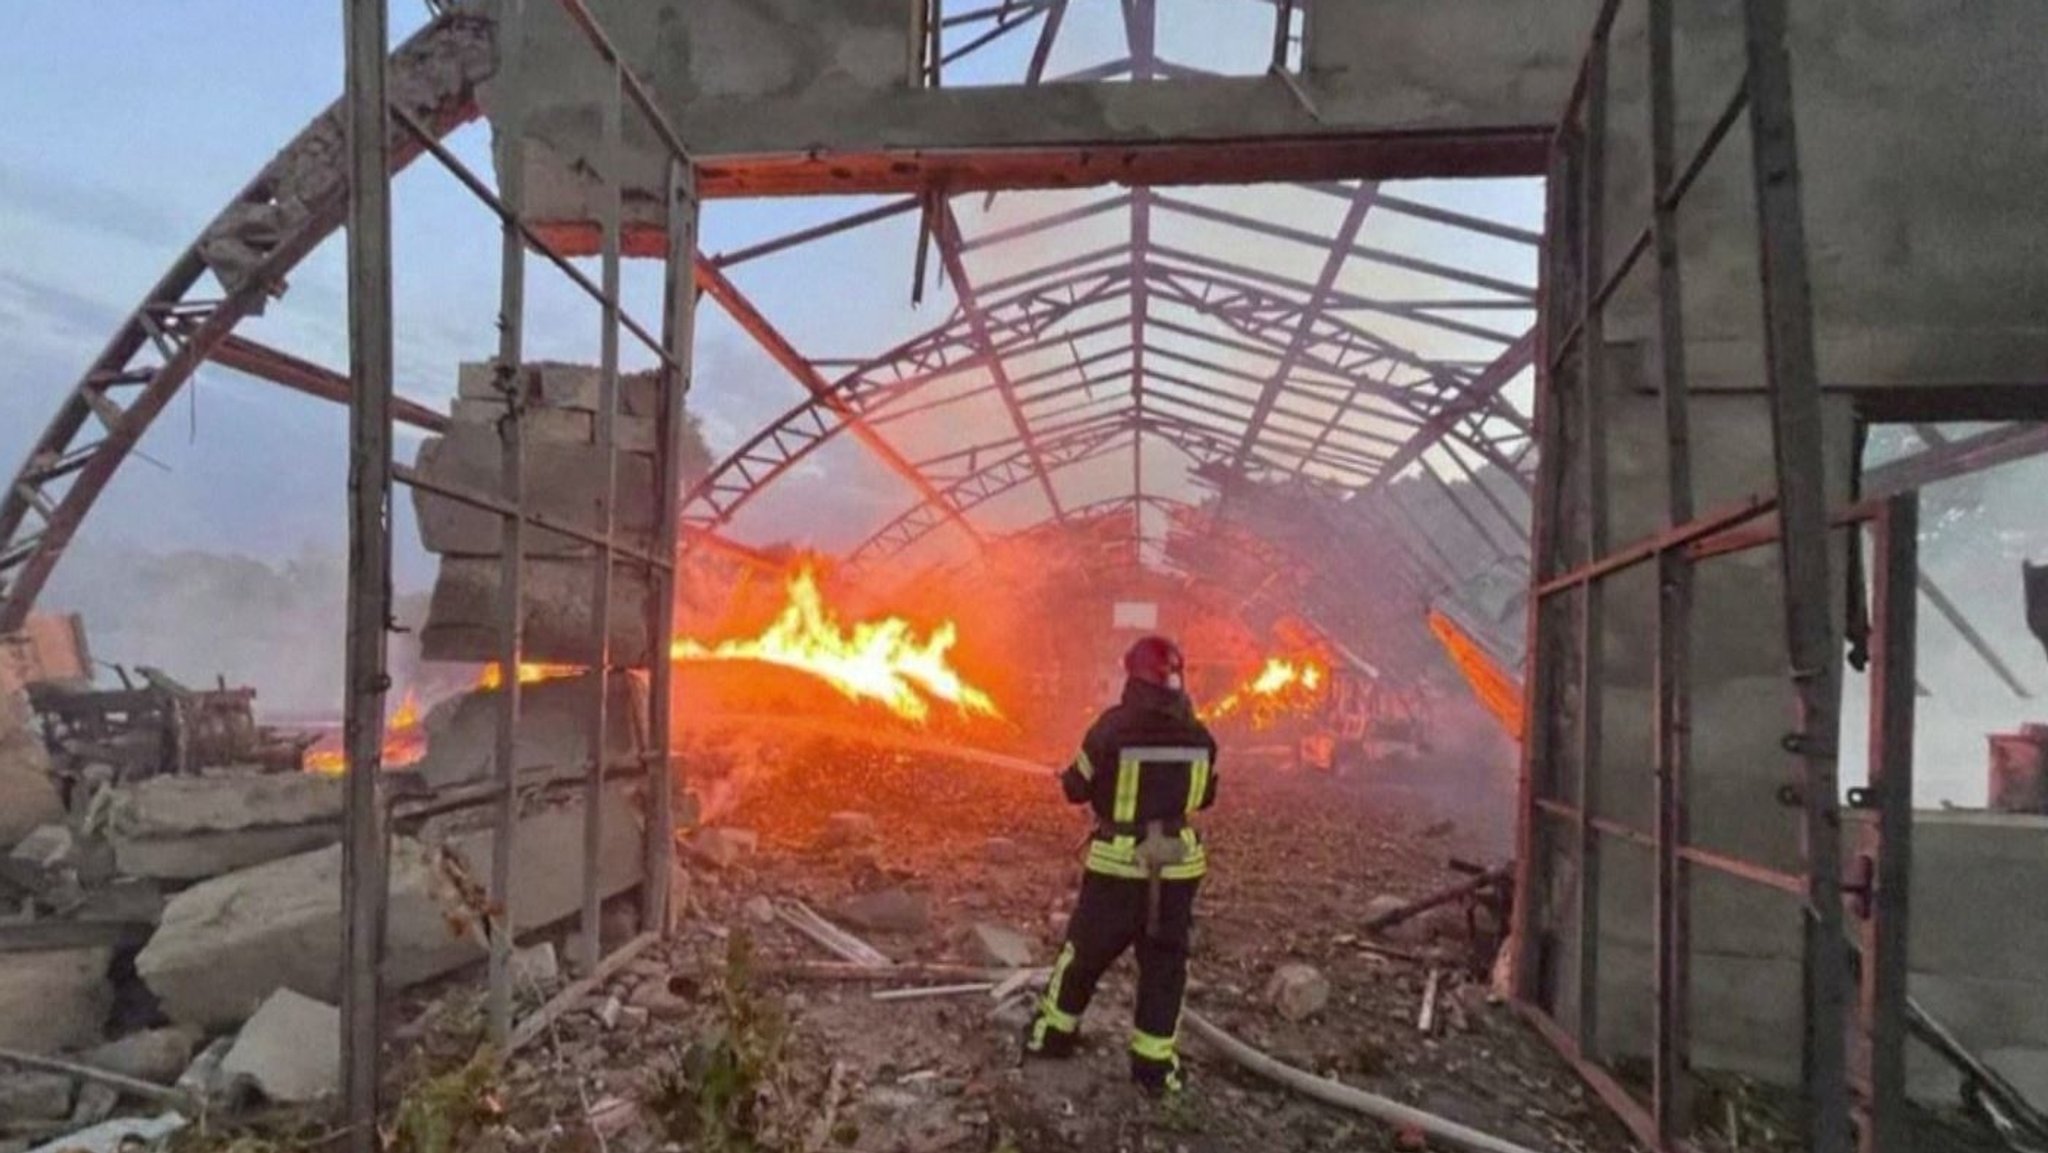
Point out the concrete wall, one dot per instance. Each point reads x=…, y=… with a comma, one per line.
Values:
x=1978, y=945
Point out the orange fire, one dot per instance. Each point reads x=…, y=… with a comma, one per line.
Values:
x=1280, y=686
x=493, y=675
x=404, y=741
x=879, y=660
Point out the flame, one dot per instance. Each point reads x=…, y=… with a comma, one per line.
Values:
x=404, y=741
x=1497, y=687
x=879, y=660
x=493, y=676
x=1280, y=686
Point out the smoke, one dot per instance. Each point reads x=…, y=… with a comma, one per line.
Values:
x=1975, y=532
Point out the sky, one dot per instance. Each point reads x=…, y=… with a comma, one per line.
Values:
x=146, y=117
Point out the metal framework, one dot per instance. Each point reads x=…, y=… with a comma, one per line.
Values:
x=1567, y=830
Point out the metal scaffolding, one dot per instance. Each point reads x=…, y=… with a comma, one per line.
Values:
x=1567, y=829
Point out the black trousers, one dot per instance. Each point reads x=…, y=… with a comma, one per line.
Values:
x=1109, y=919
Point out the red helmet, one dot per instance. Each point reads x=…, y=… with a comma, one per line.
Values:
x=1155, y=660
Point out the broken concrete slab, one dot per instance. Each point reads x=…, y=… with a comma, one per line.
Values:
x=760, y=910
x=155, y=1055
x=462, y=617
x=547, y=861
x=848, y=829
x=226, y=944
x=39, y=861
x=559, y=385
x=33, y=1095
x=553, y=730
x=887, y=911
x=564, y=481
x=54, y=1000
x=290, y=1050
x=191, y=828
x=558, y=425
x=1000, y=947
x=1298, y=991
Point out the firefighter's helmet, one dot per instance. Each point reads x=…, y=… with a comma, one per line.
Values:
x=1155, y=660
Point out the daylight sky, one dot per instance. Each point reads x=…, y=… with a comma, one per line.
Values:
x=138, y=119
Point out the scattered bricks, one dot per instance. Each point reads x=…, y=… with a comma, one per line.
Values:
x=32, y=1095
x=723, y=848
x=999, y=947
x=291, y=1049
x=847, y=830
x=156, y=1055
x=192, y=828
x=54, y=1000
x=887, y=911
x=1298, y=991
x=1001, y=851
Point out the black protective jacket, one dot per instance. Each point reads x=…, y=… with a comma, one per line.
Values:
x=1146, y=759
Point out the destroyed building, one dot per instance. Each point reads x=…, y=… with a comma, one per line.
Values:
x=1573, y=440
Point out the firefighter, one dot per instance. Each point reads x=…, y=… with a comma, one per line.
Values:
x=1145, y=767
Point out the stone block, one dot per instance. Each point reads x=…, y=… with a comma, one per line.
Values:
x=462, y=617
x=226, y=944
x=553, y=730
x=565, y=480
x=1298, y=991
x=555, y=384
x=559, y=425
x=1000, y=947
x=887, y=911
x=290, y=1050
x=547, y=858
x=156, y=1055
x=191, y=828
x=54, y=1000
x=32, y=1095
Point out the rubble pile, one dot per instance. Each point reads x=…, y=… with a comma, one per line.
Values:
x=170, y=926
x=960, y=879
